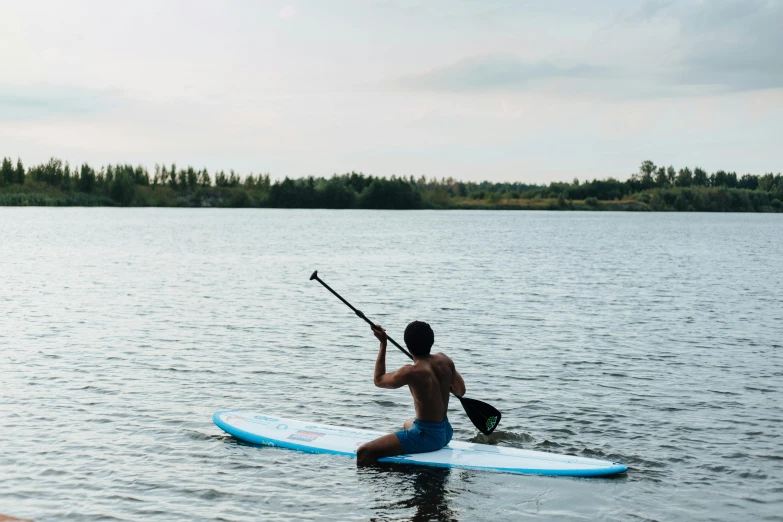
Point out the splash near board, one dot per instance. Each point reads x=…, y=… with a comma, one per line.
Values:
x=269, y=430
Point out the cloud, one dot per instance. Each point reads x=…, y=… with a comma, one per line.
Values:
x=40, y=102
x=733, y=44
x=496, y=72
x=660, y=49
x=720, y=45
x=287, y=12
x=647, y=11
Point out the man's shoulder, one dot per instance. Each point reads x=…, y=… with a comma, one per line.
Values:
x=443, y=357
x=440, y=361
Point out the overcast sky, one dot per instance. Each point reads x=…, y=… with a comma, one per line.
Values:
x=488, y=89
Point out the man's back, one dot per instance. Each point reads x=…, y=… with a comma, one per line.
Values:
x=430, y=384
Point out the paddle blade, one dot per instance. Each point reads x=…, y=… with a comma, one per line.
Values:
x=482, y=415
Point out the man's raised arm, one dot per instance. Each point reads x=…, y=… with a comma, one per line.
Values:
x=381, y=378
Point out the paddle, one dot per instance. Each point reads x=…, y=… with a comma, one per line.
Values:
x=482, y=415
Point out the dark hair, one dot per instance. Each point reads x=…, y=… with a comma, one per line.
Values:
x=419, y=338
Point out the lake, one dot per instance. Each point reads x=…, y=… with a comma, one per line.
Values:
x=655, y=340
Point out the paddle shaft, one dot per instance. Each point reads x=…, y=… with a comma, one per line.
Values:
x=359, y=313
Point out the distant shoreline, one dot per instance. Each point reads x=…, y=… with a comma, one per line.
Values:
x=652, y=189
x=229, y=199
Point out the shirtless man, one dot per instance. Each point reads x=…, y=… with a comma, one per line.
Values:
x=430, y=378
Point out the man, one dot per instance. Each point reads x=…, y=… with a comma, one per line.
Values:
x=430, y=379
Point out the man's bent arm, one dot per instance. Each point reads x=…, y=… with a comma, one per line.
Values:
x=457, y=383
x=380, y=364
x=381, y=378
x=391, y=380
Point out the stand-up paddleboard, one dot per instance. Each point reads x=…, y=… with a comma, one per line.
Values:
x=269, y=430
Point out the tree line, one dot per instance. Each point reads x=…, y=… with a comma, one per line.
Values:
x=651, y=188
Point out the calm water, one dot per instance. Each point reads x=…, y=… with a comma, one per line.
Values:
x=655, y=340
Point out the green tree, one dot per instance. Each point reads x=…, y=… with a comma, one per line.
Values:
x=86, y=179
x=19, y=172
x=263, y=183
x=685, y=178
x=390, y=194
x=123, y=188
x=671, y=175
x=7, y=173
x=140, y=175
x=731, y=180
x=204, y=180
x=646, y=171
x=109, y=176
x=221, y=180
x=66, y=183
x=724, y=179
x=192, y=178
x=766, y=182
x=337, y=194
x=50, y=172
x=661, y=179
x=700, y=178
x=293, y=194
x=173, y=176
x=748, y=181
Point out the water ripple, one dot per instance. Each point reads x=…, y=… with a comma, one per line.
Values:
x=652, y=340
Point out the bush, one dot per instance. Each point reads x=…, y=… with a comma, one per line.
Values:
x=336, y=194
x=390, y=194
x=293, y=194
x=123, y=188
x=26, y=200
x=592, y=202
x=657, y=202
x=680, y=203
x=776, y=204
x=240, y=199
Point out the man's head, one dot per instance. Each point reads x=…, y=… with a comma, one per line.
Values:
x=419, y=338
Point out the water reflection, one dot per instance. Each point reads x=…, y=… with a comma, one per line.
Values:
x=408, y=488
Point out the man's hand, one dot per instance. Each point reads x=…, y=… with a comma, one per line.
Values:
x=380, y=333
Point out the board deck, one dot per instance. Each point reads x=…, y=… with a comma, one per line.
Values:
x=270, y=430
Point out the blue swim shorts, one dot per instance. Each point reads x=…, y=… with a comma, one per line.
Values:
x=424, y=437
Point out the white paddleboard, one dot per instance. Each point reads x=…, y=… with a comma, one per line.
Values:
x=269, y=430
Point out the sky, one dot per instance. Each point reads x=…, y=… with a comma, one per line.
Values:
x=503, y=90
